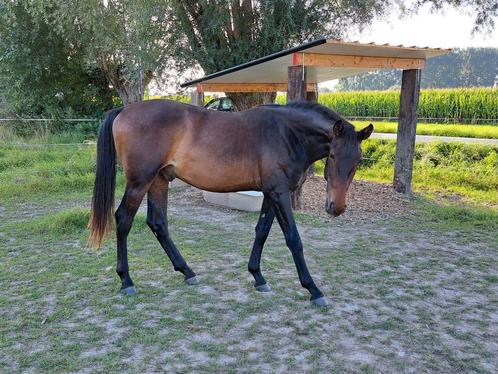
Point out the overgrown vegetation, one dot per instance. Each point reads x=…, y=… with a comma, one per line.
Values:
x=455, y=171
x=465, y=171
x=459, y=104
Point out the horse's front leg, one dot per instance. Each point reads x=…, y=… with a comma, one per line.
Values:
x=263, y=227
x=283, y=211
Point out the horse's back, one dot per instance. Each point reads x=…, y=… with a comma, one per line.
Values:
x=214, y=150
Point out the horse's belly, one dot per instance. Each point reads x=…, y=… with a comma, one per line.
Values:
x=217, y=177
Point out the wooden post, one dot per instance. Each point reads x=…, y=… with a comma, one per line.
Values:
x=296, y=91
x=296, y=83
x=197, y=97
x=407, y=129
x=313, y=97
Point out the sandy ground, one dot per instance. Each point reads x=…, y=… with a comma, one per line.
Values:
x=403, y=297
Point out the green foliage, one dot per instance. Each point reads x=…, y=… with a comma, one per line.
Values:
x=485, y=11
x=464, y=169
x=460, y=105
x=43, y=73
x=124, y=38
x=216, y=35
x=470, y=67
x=40, y=170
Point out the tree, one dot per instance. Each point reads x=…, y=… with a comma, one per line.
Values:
x=463, y=68
x=485, y=10
x=125, y=39
x=217, y=34
x=41, y=73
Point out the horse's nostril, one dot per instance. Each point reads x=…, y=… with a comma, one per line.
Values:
x=329, y=207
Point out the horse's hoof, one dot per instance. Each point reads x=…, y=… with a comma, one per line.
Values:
x=320, y=302
x=129, y=291
x=263, y=288
x=192, y=281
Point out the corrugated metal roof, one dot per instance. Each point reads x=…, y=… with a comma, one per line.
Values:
x=273, y=68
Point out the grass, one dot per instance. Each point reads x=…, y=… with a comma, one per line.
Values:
x=454, y=172
x=435, y=129
x=411, y=294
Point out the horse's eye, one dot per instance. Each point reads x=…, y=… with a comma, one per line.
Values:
x=331, y=156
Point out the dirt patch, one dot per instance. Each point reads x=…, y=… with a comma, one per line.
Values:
x=366, y=200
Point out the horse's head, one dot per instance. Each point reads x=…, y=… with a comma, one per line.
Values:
x=344, y=156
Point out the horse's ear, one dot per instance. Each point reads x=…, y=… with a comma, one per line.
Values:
x=365, y=133
x=337, y=129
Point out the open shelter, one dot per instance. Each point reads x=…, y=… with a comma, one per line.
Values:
x=298, y=71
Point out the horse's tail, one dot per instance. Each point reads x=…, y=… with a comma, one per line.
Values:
x=101, y=218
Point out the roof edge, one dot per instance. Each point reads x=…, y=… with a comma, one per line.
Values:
x=258, y=61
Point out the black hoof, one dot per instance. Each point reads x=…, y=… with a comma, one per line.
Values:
x=320, y=302
x=263, y=288
x=192, y=281
x=129, y=291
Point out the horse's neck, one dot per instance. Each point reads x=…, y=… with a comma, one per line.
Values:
x=317, y=145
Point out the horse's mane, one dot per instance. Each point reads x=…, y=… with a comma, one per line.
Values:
x=308, y=106
x=315, y=107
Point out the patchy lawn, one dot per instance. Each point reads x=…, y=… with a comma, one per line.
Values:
x=415, y=293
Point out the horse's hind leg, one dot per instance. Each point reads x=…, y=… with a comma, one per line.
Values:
x=124, y=218
x=262, y=230
x=157, y=202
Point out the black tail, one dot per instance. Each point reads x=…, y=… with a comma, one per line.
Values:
x=101, y=218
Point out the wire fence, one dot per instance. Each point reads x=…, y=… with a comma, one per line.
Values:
x=19, y=119
x=441, y=120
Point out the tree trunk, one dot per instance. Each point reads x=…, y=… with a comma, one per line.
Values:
x=129, y=90
x=248, y=100
x=130, y=93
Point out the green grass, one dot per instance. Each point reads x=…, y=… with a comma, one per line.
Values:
x=455, y=172
x=435, y=129
x=396, y=285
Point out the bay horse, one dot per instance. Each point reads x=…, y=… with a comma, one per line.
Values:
x=267, y=148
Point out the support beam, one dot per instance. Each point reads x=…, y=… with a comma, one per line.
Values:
x=296, y=83
x=197, y=97
x=407, y=129
x=311, y=96
x=296, y=91
x=366, y=62
x=247, y=87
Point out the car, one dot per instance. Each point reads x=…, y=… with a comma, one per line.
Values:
x=223, y=104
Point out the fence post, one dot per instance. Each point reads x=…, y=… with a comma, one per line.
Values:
x=296, y=91
x=407, y=130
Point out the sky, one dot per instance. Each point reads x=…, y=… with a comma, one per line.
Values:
x=448, y=29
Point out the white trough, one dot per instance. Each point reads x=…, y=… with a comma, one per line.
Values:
x=249, y=201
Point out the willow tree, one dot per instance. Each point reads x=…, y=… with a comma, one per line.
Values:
x=41, y=72
x=125, y=39
x=218, y=34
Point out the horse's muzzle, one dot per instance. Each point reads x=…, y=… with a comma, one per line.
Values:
x=333, y=210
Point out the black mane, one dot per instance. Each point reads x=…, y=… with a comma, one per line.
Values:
x=317, y=108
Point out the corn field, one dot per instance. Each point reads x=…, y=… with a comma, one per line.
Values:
x=464, y=105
